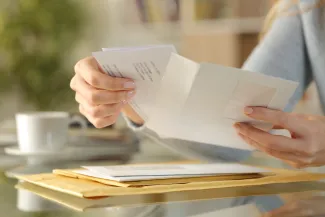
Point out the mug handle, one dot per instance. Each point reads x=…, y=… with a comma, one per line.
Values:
x=72, y=119
x=83, y=123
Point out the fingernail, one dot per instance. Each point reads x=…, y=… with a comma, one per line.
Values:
x=129, y=85
x=248, y=110
x=130, y=94
x=237, y=125
x=124, y=102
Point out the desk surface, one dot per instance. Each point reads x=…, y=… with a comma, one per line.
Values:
x=297, y=199
x=294, y=199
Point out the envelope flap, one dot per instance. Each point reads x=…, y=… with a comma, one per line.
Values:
x=169, y=181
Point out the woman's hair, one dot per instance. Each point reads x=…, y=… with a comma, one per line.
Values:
x=281, y=9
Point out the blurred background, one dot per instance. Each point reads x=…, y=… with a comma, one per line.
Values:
x=41, y=40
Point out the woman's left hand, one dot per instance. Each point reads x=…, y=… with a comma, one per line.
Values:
x=300, y=208
x=305, y=148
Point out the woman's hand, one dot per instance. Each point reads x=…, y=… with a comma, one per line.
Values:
x=101, y=97
x=305, y=148
x=300, y=208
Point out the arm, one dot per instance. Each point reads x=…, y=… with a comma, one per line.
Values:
x=281, y=54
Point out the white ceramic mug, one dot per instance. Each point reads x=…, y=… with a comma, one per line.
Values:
x=44, y=131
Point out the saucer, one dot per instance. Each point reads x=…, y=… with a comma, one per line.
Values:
x=72, y=151
x=29, y=170
x=14, y=150
x=8, y=139
x=7, y=161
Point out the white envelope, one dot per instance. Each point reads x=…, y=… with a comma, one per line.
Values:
x=156, y=171
x=201, y=102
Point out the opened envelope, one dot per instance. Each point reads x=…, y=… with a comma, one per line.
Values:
x=201, y=102
x=157, y=174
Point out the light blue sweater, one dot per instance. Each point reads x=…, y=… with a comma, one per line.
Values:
x=293, y=49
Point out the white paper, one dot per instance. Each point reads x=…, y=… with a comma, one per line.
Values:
x=202, y=103
x=172, y=94
x=131, y=178
x=146, y=66
x=154, y=171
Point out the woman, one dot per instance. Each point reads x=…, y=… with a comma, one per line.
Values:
x=292, y=48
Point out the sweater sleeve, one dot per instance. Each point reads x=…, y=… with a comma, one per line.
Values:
x=281, y=54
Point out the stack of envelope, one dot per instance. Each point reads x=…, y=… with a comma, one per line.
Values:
x=157, y=174
x=103, y=181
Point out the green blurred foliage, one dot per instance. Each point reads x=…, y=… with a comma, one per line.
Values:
x=36, y=39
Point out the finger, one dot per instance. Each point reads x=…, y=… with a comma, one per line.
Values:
x=283, y=211
x=73, y=83
x=290, y=158
x=280, y=212
x=89, y=70
x=248, y=140
x=99, y=122
x=99, y=111
x=83, y=111
x=269, y=141
x=276, y=117
x=277, y=127
x=97, y=97
x=297, y=209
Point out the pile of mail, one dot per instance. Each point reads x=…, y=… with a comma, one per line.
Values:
x=127, y=173
x=103, y=181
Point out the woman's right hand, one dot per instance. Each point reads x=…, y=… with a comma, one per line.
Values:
x=102, y=97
